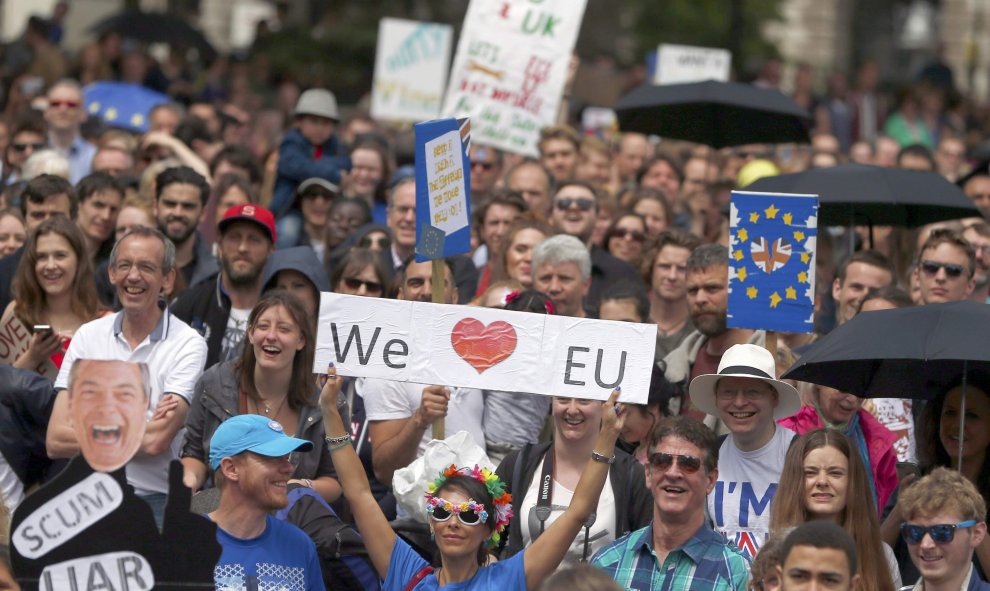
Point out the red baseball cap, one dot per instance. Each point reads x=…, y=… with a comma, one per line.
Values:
x=251, y=213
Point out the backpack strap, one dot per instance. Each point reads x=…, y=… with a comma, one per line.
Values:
x=423, y=572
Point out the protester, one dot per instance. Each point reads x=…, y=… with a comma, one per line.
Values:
x=559, y=147
x=100, y=197
x=625, y=238
x=344, y=216
x=361, y=272
x=514, y=260
x=946, y=266
x=824, y=479
x=180, y=196
x=65, y=115
x=819, y=555
x=654, y=208
x=297, y=270
x=369, y=171
x=535, y=183
x=314, y=199
x=12, y=231
x=665, y=270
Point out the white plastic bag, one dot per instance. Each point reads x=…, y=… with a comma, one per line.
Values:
x=409, y=483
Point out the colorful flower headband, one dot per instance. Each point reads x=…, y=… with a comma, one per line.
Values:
x=495, y=488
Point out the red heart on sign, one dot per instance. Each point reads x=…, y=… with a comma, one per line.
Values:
x=483, y=346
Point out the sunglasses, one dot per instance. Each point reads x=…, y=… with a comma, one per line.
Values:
x=381, y=242
x=469, y=513
x=931, y=268
x=662, y=462
x=942, y=533
x=67, y=104
x=23, y=147
x=483, y=165
x=565, y=203
x=635, y=235
x=355, y=284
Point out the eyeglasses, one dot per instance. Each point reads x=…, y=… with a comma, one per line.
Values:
x=355, y=284
x=662, y=462
x=565, y=203
x=942, y=533
x=931, y=268
x=67, y=104
x=470, y=512
x=22, y=147
x=147, y=269
x=635, y=235
x=482, y=165
x=750, y=394
x=381, y=242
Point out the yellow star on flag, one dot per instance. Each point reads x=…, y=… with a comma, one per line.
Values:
x=751, y=292
x=790, y=293
x=788, y=218
x=743, y=234
x=799, y=236
x=774, y=299
x=771, y=212
x=754, y=217
x=805, y=257
x=802, y=277
x=738, y=255
x=742, y=273
x=110, y=114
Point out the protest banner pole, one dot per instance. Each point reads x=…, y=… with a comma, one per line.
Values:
x=439, y=277
x=771, y=343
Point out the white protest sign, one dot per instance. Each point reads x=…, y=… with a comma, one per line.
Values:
x=411, y=64
x=113, y=570
x=510, y=68
x=445, y=180
x=485, y=348
x=679, y=64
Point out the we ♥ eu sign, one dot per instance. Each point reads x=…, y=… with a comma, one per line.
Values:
x=484, y=348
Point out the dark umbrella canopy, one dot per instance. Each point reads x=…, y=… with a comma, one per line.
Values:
x=903, y=353
x=862, y=194
x=714, y=113
x=155, y=27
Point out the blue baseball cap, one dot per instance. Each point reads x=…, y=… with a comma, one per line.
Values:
x=253, y=433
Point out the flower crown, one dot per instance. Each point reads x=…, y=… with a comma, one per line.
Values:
x=495, y=488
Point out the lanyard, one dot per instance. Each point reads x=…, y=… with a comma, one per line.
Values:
x=543, y=505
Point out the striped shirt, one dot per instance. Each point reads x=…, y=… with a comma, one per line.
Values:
x=706, y=562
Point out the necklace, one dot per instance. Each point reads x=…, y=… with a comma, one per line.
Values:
x=268, y=409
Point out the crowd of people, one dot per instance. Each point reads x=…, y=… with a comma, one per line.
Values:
x=200, y=248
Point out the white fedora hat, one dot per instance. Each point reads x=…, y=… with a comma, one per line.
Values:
x=745, y=361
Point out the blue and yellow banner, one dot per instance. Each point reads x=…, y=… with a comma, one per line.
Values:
x=772, y=261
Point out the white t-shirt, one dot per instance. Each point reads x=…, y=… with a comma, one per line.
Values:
x=233, y=334
x=602, y=532
x=739, y=506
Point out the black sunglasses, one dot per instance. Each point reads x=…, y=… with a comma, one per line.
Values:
x=636, y=235
x=355, y=284
x=951, y=270
x=483, y=165
x=663, y=462
x=22, y=147
x=565, y=203
x=382, y=242
x=942, y=533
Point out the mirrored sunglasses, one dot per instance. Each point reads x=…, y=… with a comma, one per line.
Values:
x=663, y=461
x=942, y=533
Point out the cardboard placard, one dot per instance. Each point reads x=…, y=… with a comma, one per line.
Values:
x=443, y=185
x=679, y=64
x=411, y=64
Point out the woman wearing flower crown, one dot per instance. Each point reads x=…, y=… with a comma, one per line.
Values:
x=469, y=510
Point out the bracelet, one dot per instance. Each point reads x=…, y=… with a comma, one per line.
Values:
x=335, y=443
x=602, y=458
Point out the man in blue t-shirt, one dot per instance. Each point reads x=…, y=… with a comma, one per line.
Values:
x=250, y=458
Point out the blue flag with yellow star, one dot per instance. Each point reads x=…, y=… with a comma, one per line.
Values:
x=121, y=104
x=772, y=240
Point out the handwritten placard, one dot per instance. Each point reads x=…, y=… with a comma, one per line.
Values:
x=679, y=64
x=484, y=348
x=443, y=206
x=411, y=64
x=510, y=68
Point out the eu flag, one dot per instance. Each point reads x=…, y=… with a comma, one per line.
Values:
x=772, y=261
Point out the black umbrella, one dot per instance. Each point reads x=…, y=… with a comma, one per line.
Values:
x=714, y=113
x=155, y=27
x=873, y=195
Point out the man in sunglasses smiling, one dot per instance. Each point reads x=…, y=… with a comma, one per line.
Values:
x=945, y=268
x=946, y=522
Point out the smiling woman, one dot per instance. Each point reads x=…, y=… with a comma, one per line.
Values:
x=53, y=296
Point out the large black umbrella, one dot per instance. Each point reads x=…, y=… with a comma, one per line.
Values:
x=873, y=195
x=155, y=27
x=714, y=113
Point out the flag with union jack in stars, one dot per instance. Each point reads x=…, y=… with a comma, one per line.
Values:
x=772, y=239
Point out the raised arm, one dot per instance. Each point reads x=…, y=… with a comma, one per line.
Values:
x=396, y=441
x=379, y=539
x=543, y=556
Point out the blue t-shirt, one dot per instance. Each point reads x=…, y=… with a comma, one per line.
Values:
x=282, y=557
x=405, y=563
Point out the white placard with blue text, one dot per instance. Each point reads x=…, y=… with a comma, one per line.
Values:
x=411, y=64
x=486, y=348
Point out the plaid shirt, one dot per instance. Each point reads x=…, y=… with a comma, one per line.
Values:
x=706, y=562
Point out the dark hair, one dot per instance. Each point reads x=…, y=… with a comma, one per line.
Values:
x=400, y=275
x=707, y=256
x=669, y=237
x=97, y=182
x=873, y=258
x=301, y=387
x=559, y=132
x=474, y=489
x=580, y=577
x=628, y=290
x=821, y=534
x=692, y=431
x=356, y=201
x=44, y=186
x=182, y=175
x=498, y=269
x=504, y=197
x=890, y=293
x=356, y=260
x=648, y=194
x=661, y=157
x=531, y=300
x=618, y=217
x=596, y=193
x=192, y=129
x=235, y=179
x=30, y=299
x=240, y=157
x=919, y=151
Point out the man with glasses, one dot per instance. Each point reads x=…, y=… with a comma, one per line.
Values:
x=747, y=398
x=65, y=116
x=678, y=549
x=946, y=267
x=26, y=138
x=142, y=269
x=945, y=523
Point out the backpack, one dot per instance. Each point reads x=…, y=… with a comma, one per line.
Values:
x=343, y=557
